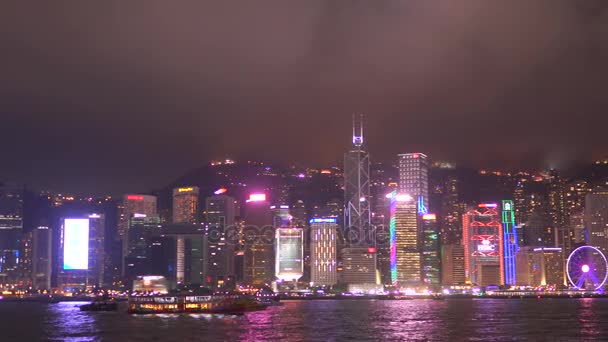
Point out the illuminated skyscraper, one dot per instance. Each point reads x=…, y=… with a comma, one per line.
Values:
x=596, y=218
x=42, y=239
x=220, y=239
x=185, y=205
x=483, y=245
x=134, y=204
x=431, y=262
x=451, y=225
x=357, y=216
x=289, y=259
x=259, y=267
x=540, y=266
x=359, y=269
x=323, y=251
x=81, y=253
x=137, y=259
x=557, y=200
x=414, y=178
x=407, y=257
x=509, y=241
x=11, y=233
x=452, y=265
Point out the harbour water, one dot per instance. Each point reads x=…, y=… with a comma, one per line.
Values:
x=323, y=320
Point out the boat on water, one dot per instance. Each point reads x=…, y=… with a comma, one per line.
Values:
x=100, y=306
x=269, y=301
x=226, y=304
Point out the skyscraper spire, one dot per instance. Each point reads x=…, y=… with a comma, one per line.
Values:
x=358, y=139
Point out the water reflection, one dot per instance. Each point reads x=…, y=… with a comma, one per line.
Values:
x=588, y=317
x=70, y=323
x=338, y=320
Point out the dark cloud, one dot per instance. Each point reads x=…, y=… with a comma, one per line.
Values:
x=115, y=95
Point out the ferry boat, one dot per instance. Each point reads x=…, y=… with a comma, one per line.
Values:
x=100, y=306
x=228, y=304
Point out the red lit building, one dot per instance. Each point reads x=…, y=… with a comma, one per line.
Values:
x=483, y=245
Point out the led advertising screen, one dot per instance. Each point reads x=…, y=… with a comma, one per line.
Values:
x=76, y=244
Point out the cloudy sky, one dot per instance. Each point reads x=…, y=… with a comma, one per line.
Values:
x=112, y=96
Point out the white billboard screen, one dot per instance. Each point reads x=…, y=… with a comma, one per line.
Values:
x=76, y=244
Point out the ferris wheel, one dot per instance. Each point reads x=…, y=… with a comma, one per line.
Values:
x=587, y=268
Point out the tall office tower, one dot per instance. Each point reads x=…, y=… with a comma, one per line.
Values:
x=11, y=233
x=289, y=246
x=431, y=261
x=452, y=265
x=482, y=238
x=137, y=259
x=537, y=231
x=323, y=251
x=221, y=239
x=298, y=211
x=97, y=250
x=359, y=269
x=577, y=229
x=520, y=201
x=414, y=178
x=185, y=205
x=357, y=216
x=451, y=230
x=281, y=216
x=42, y=239
x=575, y=196
x=596, y=218
x=81, y=253
x=557, y=200
x=134, y=204
x=540, y=266
x=406, y=260
x=176, y=251
x=509, y=242
x=258, y=242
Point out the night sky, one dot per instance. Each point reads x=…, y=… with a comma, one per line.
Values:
x=116, y=96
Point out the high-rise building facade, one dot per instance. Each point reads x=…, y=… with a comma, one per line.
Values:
x=42, y=240
x=323, y=251
x=407, y=256
x=451, y=224
x=185, y=204
x=540, y=266
x=11, y=234
x=510, y=240
x=431, y=260
x=596, y=218
x=482, y=237
x=452, y=265
x=357, y=215
x=414, y=178
x=289, y=259
x=359, y=269
x=557, y=200
x=137, y=258
x=82, y=253
x=134, y=204
x=258, y=236
x=221, y=238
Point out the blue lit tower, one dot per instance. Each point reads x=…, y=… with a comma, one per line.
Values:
x=510, y=242
x=357, y=218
